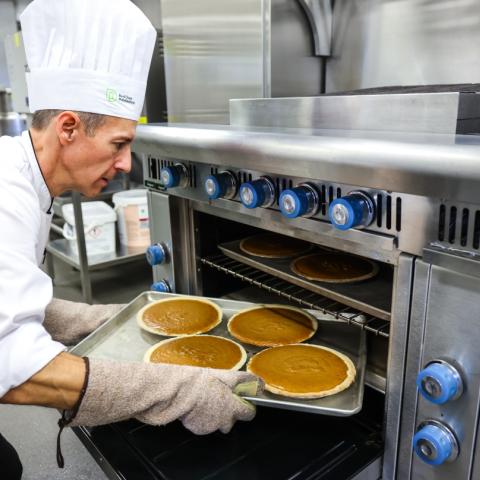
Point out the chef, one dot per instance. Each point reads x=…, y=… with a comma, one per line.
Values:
x=88, y=64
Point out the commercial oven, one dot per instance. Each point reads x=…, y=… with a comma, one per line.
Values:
x=408, y=201
x=397, y=168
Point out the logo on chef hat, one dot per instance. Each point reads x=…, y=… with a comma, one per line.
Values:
x=112, y=95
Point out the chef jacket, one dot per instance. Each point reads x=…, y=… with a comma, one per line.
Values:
x=25, y=290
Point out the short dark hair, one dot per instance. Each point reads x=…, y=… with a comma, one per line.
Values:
x=90, y=121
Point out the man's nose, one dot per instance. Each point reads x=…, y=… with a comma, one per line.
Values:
x=124, y=163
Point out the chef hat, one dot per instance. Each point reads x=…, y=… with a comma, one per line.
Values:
x=87, y=55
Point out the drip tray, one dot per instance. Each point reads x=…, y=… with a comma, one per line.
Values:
x=372, y=296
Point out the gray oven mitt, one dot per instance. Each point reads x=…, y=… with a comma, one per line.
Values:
x=68, y=322
x=202, y=399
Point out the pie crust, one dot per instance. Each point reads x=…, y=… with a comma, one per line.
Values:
x=272, y=245
x=272, y=325
x=334, y=267
x=178, y=316
x=207, y=351
x=303, y=371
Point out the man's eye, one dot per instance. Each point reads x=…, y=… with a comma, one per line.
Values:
x=119, y=146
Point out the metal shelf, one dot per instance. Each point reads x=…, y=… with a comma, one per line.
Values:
x=297, y=294
x=60, y=248
x=372, y=296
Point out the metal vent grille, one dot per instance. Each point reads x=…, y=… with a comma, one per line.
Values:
x=166, y=163
x=459, y=226
x=153, y=168
x=298, y=295
x=389, y=212
x=244, y=177
x=160, y=45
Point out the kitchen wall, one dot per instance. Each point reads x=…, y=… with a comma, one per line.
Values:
x=8, y=25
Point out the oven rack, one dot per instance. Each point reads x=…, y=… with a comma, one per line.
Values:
x=294, y=293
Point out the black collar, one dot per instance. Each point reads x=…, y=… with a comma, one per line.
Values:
x=49, y=210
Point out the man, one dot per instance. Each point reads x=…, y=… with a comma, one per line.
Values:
x=88, y=62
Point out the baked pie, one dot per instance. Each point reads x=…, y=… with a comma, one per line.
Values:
x=180, y=316
x=303, y=371
x=198, y=351
x=272, y=325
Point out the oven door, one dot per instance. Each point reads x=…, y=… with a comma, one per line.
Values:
x=277, y=444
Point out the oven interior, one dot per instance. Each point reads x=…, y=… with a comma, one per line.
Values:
x=223, y=276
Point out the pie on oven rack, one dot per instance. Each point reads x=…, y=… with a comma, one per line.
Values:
x=334, y=267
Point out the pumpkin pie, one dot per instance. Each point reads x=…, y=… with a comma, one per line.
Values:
x=179, y=316
x=198, y=351
x=272, y=325
x=271, y=245
x=303, y=371
x=334, y=267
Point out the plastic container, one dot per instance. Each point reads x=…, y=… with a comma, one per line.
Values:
x=133, y=219
x=99, y=225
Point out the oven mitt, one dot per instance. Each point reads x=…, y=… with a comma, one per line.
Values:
x=201, y=398
x=69, y=322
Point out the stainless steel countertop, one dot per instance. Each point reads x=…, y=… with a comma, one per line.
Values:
x=435, y=165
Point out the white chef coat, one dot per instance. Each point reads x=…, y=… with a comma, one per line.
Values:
x=25, y=290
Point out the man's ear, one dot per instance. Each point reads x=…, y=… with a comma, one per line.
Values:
x=67, y=126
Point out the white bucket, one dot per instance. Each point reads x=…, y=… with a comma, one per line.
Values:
x=133, y=219
x=99, y=224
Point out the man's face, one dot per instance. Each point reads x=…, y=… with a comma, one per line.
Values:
x=93, y=161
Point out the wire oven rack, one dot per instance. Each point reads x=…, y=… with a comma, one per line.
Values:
x=296, y=294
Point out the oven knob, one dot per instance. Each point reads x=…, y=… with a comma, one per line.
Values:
x=301, y=201
x=162, y=287
x=174, y=176
x=258, y=193
x=439, y=382
x=354, y=210
x=221, y=185
x=156, y=254
x=435, y=443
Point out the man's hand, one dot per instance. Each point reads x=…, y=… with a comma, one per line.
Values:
x=201, y=398
x=69, y=322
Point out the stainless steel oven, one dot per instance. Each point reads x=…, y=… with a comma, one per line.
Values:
x=417, y=194
x=395, y=168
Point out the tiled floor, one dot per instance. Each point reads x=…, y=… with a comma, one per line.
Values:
x=33, y=430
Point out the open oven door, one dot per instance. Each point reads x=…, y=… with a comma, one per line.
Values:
x=277, y=444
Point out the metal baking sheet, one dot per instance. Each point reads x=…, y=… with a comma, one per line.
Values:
x=122, y=339
x=373, y=296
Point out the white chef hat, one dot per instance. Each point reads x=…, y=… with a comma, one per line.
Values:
x=87, y=55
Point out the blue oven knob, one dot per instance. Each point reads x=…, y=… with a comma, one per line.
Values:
x=301, y=201
x=156, y=254
x=221, y=185
x=434, y=443
x=439, y=382
x=257, y=193
x=356, y=209
x=162, y=287
x=174, y=176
